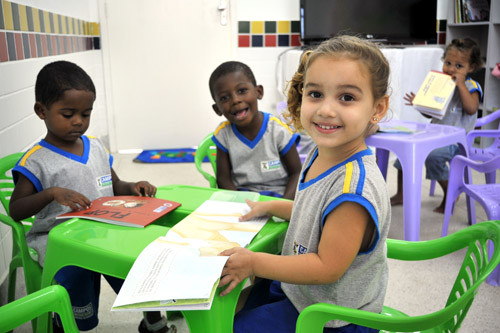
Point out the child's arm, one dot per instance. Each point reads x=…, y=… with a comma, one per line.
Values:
x=291, y=162
x=470, y=102
x=142, y=187
x=347, y=230
x=409, y=97
x=223, y=175
x=26, y=201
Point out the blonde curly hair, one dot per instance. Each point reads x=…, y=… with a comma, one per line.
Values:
x=350, y=47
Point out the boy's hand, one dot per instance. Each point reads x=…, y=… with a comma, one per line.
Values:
x=74, y=200
x=409, y=97
x=238, y=267
x=257, y=209
x=144, y=188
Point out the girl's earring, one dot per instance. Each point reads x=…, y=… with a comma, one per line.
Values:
x=375, y=119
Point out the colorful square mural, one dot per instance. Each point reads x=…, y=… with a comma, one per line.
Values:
x=268, y=33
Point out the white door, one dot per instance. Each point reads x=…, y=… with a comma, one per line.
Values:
x=158, y=56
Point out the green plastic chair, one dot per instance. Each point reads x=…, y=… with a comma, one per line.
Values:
x=51, y=299
x=207, y=149
x=475, y=269
x=22, y=255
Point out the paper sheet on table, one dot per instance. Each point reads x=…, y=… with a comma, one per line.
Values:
x=164, y=272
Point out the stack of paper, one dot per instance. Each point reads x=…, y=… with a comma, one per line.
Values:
x=181, y=271
x=435, y=94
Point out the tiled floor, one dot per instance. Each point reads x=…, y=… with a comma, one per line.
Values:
x=414, y=288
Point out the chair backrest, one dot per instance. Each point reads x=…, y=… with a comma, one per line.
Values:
x=476, y=267
x=6, y=183
x=21, y=253
x=207, y=149
x=51, y=299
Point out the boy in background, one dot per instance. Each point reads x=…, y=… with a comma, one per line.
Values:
x=255, y=150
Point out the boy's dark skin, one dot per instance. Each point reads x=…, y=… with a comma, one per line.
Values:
x=236, y=98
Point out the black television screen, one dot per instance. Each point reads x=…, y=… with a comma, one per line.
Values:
x=385, y=20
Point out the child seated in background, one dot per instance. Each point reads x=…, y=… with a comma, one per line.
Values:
x=255, y=150
x=461, y=58
x=335, y=246
x=66, y=171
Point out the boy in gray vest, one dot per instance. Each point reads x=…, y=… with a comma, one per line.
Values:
x=66, y=171
x=255, y=150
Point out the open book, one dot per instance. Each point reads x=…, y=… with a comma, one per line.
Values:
x=126, y=210
x=435, y=94
x=181, y=271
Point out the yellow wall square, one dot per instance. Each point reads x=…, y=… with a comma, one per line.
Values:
x=95, y=29
x=46, y=20
x=283, y=27
x=7, y=15
x=63, y=24
x=23, y=18
x=57, y=28
x=70, y=25
x=36, y=19
x=257, y=27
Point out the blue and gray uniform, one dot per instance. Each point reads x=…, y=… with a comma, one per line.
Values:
x=256, y=165
x=90, y=174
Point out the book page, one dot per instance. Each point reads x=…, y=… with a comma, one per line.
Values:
x=164, y=272
x=214, y=226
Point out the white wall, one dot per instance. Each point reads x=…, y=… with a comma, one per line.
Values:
x=19, y=126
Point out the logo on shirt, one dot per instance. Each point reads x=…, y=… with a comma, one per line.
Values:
x=104, y=181
x=298, y=248
x=270, y=165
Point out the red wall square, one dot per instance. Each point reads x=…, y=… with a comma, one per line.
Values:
x=32, y=45
x=244, y=41
x=44, y=45
x=295, y=40
x=270, y=40
x=19, y=46
x=4, y=56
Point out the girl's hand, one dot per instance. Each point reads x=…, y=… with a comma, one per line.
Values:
x=459, y=77
x=258, y=209
x=144, y=188
x=74, y=200
x=238, y=267
x=409, y=97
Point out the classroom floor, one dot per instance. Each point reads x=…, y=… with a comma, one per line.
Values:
x=414, y=288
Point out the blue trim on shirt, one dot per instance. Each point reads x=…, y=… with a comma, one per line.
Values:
x=26, y=173
x=219, y=145
x=354, y=157
x=294, y=140
x=259, y=136
x=82, y=159
x=362, y=201
x=476, y=88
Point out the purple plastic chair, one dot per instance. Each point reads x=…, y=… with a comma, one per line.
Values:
x=488, y=195
x=482, y=154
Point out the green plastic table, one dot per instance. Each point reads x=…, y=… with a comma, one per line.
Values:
x=111, y=250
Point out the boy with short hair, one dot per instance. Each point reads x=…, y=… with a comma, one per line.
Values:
x=255, y=150
x=65, y=170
